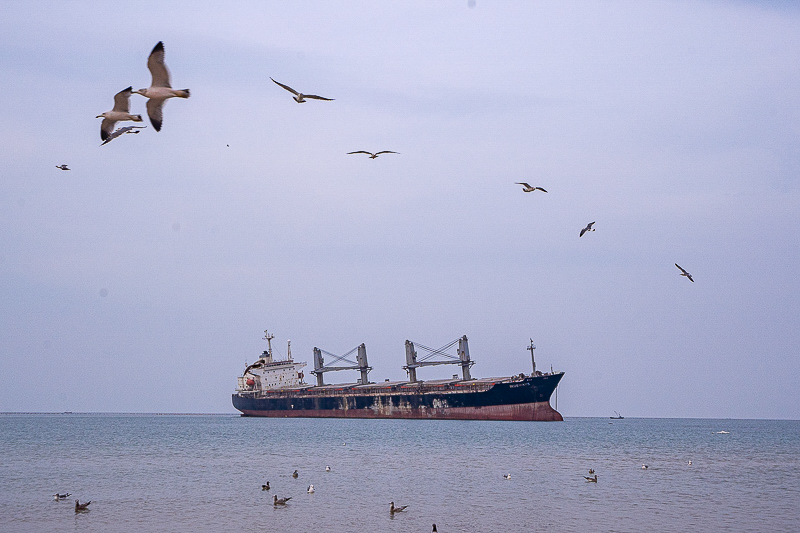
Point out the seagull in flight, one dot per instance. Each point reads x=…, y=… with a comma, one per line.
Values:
x=121, y=111
x=529, y=188
x=160, y=88
x=587, y=228
x=62, y=167
x=300, y=98
x=393, y=509
x=120, y=131
x=371, y=155
x=684, y=273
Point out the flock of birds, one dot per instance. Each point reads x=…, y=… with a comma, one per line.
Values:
x=161, y=90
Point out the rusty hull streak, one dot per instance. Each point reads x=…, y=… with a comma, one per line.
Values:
x=538, y=411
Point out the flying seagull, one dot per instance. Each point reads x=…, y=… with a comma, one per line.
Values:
x=300, y=98
x=529, y=188
x=587, y=228
x=81, y=506
x=62, y=167
x=159, y=89
x=684, y=273
x=120, y=131
x=371, y=155
x=393, y=509
x=280, y=501
x=120, y=112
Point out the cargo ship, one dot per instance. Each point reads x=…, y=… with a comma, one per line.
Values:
x=276, y=388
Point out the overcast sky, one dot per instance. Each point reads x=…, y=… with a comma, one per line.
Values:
x=143, y=279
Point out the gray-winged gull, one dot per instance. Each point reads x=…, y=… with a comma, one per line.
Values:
x=62, y=167
x=120, y=131
x=120, y=112
x=372, y=155
x=300, y=98
x=684, y=273
x=587, y=228
x=160, y=88
x=529, y=188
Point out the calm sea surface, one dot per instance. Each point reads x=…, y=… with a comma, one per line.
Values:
x=204, y=473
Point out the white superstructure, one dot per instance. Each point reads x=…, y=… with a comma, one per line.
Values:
x=266, y=373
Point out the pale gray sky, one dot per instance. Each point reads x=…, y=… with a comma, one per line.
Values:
x=142, y=279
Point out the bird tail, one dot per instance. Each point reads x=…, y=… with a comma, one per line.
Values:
x=183, y=93
x=137, y=118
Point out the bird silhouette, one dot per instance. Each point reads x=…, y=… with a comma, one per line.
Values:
x=587, y=228
x=372, y=155
x=529, y=188
x=684, y=273
x=62, y=167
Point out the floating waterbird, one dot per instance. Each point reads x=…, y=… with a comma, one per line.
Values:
x=300, y=98
x=684, y=273
x=393, y=509
x=372, y=155
x=690, y=462
x=62, y=167
x=160, y=88
x=120, y=131
x=434, y=530
x=280, y=501
x=645, y=467
x=529, y=188
x=120, y=112
x=591, y=471
x=81, y=506
x=310, y=489
x=506, y=476
x=295, y=474
x=590, y=479
x=587, y=228
x=265, y=486
x=723, y=432
x=327, y=468
x=58, y=496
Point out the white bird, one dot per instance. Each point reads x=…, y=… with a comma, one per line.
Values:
x=587, y=228
x=690, y=462
x=311, y=489
x=372, y=155
x=120, y=131
x=58, y=496
x=506, y=476
x=684, y=273
x=529, y=188
x=62, y=167
x=645, y=467
x=300, y=98
x=160, y=88
x=120, y=112
x=327, y=468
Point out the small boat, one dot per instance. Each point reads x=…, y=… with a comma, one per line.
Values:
x=618, y=417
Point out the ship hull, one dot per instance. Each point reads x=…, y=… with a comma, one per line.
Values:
x=527, y=399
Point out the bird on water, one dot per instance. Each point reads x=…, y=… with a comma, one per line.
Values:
x=265, y=486
x=590, y=479
x=506, y=476
x=327, y=468
x=280, y=501
x=371, y=154
x=300, y=98
x=79, y=507
x=58, y=496
x=310, y=489
x=645, y=467
x=160, y=89
x=393, y=509
x=684, y=273
x=529, y=188
x=295, y=474
x=121, y=111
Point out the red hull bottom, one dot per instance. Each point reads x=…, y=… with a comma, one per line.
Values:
x=538, y=412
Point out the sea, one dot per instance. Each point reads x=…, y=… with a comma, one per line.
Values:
x=197, y=473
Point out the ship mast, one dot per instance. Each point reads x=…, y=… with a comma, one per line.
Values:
x=268, y=337
x=533, y=359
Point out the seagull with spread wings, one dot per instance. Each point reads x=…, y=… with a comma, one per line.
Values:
x=121, y=111
x=684, y=273
x=372, y=155
x=120, y=131
x=160, y=88
x=300, y=98
x=587, y=228
x=529, y=188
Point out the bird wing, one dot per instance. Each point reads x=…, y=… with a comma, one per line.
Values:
x=539, y=188
x=158, y=69
x=154, y=108
x=681, y=268
x=386, y=152
x=315, y=97
x=582, y=232
x=690, y=277
x=523, y=184
x=106, y=127
x=590, y=225
x=360, y=152
x=291, y=90
x=122, y=100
